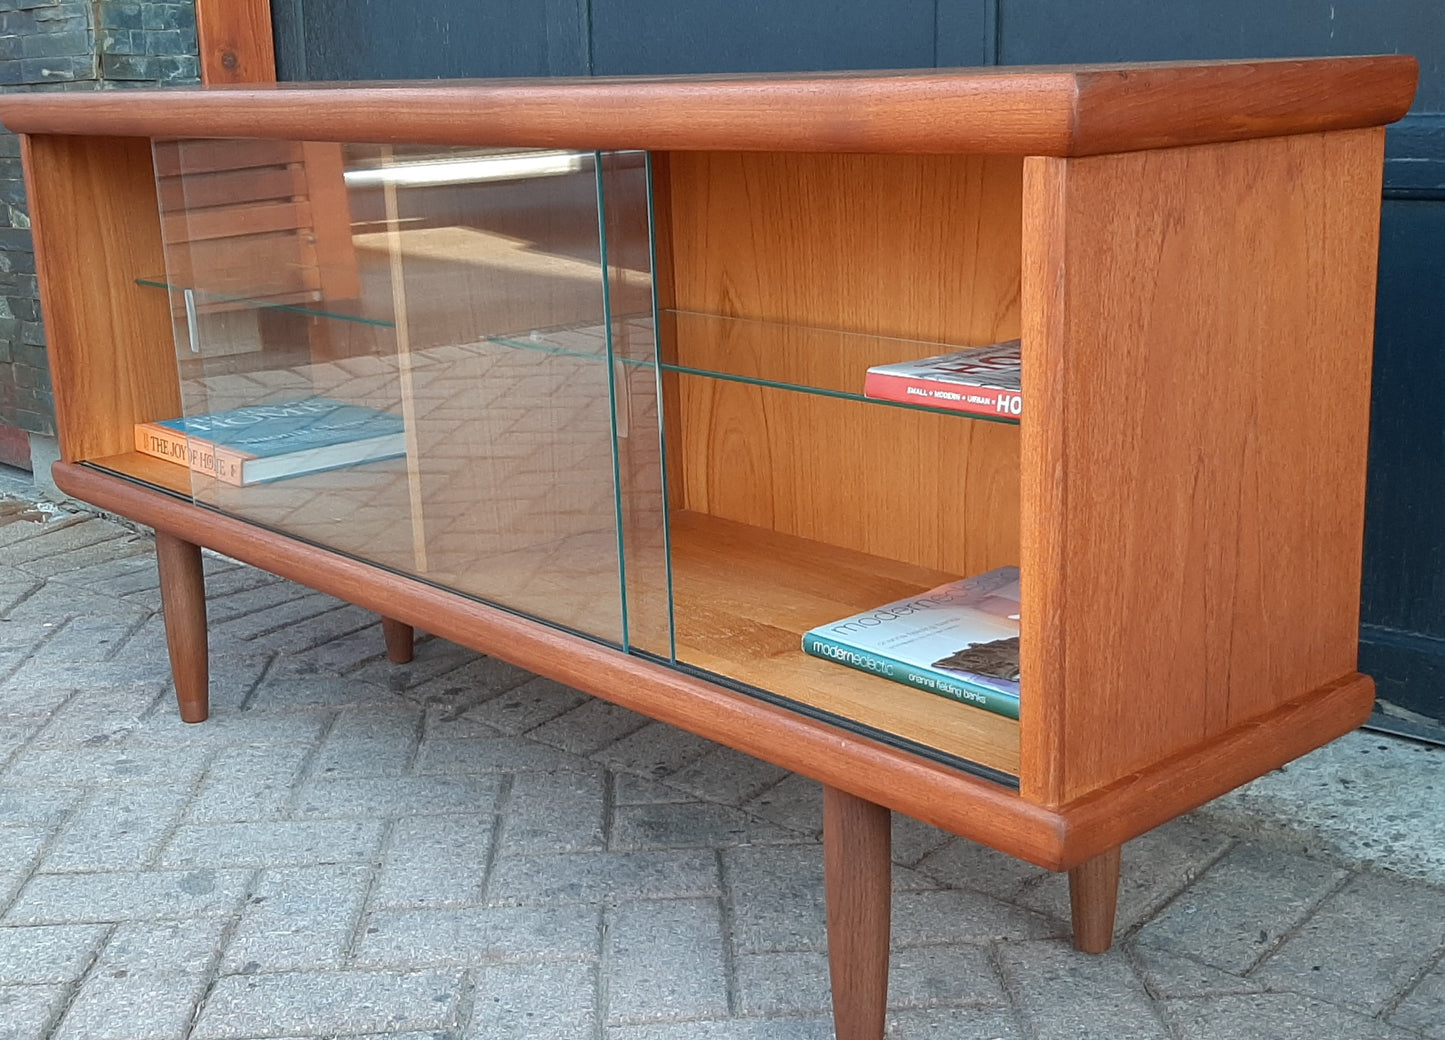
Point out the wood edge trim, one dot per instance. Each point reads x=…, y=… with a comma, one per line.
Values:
x=962, y=804
x=1138, y=803
x=1135, y=108
x=1043, y=457
x=1059, y=111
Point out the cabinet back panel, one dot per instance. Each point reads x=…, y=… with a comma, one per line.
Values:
x=1198, y=351
x=93, y=210
x=916, y=247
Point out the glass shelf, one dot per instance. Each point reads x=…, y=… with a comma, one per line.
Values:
x=303, y=302
x=773, y=355
x=782, y=356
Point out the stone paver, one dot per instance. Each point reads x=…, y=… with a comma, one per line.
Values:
x=127, y=896
x=1424, y=1007
x=129, y=1008
x=610, y=877
x=1212, y=921
x=1395, y=929
x=1088, y=998
x=1275, y=1016
x=478, y=935
x=556, y=1001
x=298, y=917
x=159, y=949
x=116, y=827
x=26, y=1011
x=435, y=861
x=42, y=954
x=273, y=843
x=457, y=850
x=316, y=1004
x=665, y=960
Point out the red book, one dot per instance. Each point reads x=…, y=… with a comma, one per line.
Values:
x=980, y=381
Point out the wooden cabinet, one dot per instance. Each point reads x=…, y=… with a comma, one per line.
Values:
x=624, y=324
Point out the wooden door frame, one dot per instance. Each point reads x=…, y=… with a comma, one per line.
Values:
x=235, y=41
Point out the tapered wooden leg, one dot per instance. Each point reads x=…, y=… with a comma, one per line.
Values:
x=183, y=597
x=399, y=640
x=857, y=878
x=1093, y=897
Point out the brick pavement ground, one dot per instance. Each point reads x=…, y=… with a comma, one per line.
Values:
x=456, y=850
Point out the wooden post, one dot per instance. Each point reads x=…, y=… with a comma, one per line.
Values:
x=235, y=41
x=1093, y=898
x=183, y=597
x=857, y=876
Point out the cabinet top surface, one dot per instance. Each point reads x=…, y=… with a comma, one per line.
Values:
x=1041, y=110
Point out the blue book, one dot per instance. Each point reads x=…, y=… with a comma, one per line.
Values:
x=960, y=641
x=270, y=441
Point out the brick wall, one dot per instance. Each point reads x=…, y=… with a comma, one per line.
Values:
x=65, y=45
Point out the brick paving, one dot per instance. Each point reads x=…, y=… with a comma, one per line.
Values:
x=457, y=850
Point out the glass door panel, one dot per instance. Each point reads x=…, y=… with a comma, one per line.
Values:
x=411, y=348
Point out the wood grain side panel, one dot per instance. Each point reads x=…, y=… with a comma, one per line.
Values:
x=925, y=248
x=1042, y=492
x=1050, y=110
x=111, y=345
x=1154, y=796
x=235, y=41
x=1204, y=481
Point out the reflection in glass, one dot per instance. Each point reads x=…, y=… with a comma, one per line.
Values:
x=468, y=292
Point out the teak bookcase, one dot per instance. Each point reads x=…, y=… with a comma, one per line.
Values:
x=638, y=460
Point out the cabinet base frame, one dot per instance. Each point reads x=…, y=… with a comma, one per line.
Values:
x=1055, y=838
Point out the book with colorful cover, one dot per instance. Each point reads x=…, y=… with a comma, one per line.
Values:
x=269, y=441
x=981, y=381
x=960, y=640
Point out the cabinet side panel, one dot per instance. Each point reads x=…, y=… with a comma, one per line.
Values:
x=111, y=344
x=1204, y=474
x=920, y=247
x=1042, y=490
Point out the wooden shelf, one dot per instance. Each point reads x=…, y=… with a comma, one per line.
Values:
x=744, y=597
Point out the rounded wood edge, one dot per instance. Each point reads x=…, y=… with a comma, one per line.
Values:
x=1045, y=110
x=1132, y=108
x=957, y=802
x=1139, y=803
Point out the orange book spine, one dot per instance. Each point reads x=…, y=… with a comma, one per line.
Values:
x=201, y=456
x=161, y=442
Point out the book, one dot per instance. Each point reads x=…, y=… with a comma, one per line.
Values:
x=270, y=441
x=960, y=640
x=981, y=381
